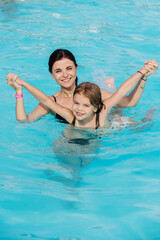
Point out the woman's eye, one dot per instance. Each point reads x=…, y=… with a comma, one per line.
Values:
x=70, y=68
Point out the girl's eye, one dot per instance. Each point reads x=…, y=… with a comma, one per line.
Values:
x=86, y=105
x=75, y=102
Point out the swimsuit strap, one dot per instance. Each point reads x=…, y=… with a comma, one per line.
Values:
x=74, y=121
x=54, y=98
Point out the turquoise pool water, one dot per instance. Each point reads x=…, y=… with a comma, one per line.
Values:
x=107, y=185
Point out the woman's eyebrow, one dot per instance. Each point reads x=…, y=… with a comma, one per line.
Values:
x=57, y=69
x=60, y=68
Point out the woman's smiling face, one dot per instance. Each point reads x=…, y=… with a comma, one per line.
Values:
x=64, y=71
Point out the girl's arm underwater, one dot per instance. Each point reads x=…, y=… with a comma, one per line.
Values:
x=43, y=98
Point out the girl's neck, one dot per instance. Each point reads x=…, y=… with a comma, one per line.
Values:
x=86, y=124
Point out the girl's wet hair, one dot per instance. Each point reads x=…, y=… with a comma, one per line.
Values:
x=93, y=93
x=60, y=54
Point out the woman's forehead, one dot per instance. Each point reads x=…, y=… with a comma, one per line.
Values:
x=64, y=62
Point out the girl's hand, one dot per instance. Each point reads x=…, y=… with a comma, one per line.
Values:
x=151, y=67
x=14, y=81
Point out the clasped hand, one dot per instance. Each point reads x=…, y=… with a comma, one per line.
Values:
x=14, y=81
x=150, y=66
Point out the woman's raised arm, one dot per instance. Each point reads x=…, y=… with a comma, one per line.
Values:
x=133, y=98
x=40, y=96
x=21, y=115
x=147, y=70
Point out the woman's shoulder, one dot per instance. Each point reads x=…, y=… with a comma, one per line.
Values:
x=56, y=94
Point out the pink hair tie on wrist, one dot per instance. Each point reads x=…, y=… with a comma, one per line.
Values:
x=18, y=95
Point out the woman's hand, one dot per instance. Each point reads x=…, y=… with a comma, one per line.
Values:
x=14, y=81
x=151, y=67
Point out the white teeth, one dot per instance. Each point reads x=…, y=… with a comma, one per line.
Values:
x=80, y=114
x=66, y=80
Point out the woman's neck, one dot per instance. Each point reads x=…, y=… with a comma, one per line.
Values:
x=67, y=92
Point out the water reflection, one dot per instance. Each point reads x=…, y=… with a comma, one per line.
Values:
x=9, y=7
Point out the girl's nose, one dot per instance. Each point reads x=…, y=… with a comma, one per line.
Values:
x=80, y=107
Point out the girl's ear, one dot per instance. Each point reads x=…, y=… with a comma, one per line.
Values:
x=95, y=110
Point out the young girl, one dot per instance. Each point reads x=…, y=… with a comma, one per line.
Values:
x=88, y=110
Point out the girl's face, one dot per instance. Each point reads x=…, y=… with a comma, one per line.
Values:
x=82, y=109
x=64, y=71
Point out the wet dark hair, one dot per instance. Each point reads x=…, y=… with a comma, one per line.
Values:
x=93, y=93
x=60, y=54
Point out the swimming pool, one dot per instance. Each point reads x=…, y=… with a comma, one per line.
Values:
x=107, y=185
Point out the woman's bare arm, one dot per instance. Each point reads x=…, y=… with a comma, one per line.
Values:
x=21, y=115
x=128, y=85
x=43, y=98
x=133, y=98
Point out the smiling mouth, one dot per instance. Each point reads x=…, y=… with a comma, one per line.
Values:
x=79, y=114
x=66, y=80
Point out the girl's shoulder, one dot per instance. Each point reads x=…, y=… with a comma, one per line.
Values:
x=105, y=123
x=103, y=117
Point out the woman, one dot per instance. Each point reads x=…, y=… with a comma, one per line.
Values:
x=88, y=109
x=63, y=68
